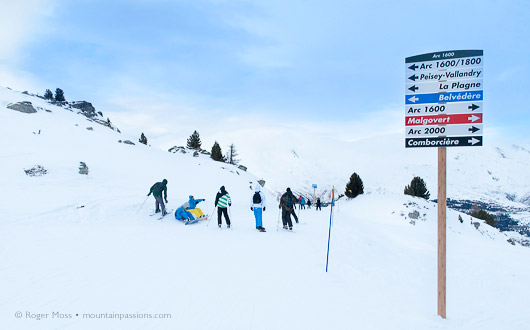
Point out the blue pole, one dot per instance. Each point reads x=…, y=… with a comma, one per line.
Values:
x=329, y=235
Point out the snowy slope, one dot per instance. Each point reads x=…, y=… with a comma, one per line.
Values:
x=82, y=246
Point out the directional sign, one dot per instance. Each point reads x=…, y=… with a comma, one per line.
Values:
x=472, y=118
x=445, y=86
x=444, y=60
x=449, y=130
x=314, y=186
x=448, y=108
x=444, y=99
x=453, y=141
x=444, y=75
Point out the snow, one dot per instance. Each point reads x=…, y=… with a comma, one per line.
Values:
x=82, y=244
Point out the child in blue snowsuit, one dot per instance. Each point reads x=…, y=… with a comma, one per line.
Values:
x=182, y=212
x=257, y=204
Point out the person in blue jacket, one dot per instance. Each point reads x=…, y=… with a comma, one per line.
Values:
x=182, y=212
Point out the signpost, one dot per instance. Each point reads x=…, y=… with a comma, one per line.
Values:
x=314, y=192
x=443, y=108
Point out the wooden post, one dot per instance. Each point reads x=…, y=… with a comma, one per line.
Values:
x=442, y=204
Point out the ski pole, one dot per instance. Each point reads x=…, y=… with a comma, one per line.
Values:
x=278, y=223
x=211, y=215
x=142, y=204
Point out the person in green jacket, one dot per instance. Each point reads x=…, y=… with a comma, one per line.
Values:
x=222, y=202
x=157, y=189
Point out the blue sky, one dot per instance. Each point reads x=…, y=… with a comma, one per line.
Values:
x=331, y=61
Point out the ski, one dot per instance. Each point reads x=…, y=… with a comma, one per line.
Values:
x=167, y=212
x=190, y=221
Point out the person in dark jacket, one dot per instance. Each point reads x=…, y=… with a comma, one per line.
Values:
x=308, y=203
x=319, y=205
x=222, y=202
x=157, y=189
x=287, y=202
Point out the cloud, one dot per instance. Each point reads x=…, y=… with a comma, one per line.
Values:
x=21, y=22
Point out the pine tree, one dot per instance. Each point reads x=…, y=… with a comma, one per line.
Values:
x=217, y=154
x=48, y=95
x=355, y=187
x=231, y=155
x=417, y=188
x=59, y=95
x=143, y=139
x=194, y=141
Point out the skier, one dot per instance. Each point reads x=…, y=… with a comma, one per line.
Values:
x=287, y=203
x=257, y=204
x=309, y=204
x=183, y=213
x=222, y=202
x=157, y=189
x=319, y=206
x=302, y=203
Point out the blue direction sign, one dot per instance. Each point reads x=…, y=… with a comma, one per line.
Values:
x=444, y=97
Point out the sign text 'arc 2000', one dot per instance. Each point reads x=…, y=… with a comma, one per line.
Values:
x=444, y=99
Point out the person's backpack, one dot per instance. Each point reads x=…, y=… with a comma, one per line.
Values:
x=256, y=199
x=288, y=200
x=158, y=187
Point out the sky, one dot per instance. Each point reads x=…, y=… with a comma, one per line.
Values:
x=170, y=67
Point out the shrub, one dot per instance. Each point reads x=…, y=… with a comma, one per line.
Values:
x=481, y=214
x=417, y=188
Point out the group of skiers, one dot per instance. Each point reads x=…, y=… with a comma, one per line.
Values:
x=189, y=211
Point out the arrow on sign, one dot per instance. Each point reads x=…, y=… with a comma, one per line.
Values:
x=413, y=77
x=473, y=118
x=473, y=129
x=413, y=88
x=473, y=141
x=473, y=107
x=413, y=99
x=413, y=67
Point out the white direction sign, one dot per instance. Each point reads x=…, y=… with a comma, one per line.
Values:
x=439, y=109
x=445, y=86
x=447, y=130
x=443, y=75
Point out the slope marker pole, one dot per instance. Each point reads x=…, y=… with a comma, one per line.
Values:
x=442, y=205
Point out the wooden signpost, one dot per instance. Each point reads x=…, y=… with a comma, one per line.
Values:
x=443, y=108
